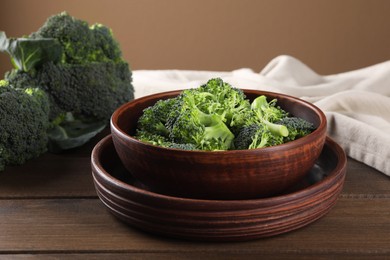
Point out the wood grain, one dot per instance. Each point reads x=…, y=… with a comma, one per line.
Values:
x=49, y=210
x=83, y=225
x=52, y=175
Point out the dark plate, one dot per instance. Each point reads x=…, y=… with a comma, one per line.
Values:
x=218, y=220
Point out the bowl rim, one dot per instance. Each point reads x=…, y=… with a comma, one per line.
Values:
x=288, y=145
x=337, y=173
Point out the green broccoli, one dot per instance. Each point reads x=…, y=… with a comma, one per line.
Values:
x=217, y=116
x=152, y=138
x=297, y=127
x=256, y=136
x=159, y=140
x=82, y=44
x=219, y=97
x=154, y=118
x=246, y=136
x=188, y=147
x=24, y=119
x=206, y=131
x=181, y=122
x=81, y=69
x=92, y=90
x=266, y=113
x=270, y=125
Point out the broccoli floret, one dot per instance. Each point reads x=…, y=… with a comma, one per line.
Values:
x=92, y=89
x=245, y=137
x=105, y=41
x=262, y=133
x=151, y=138
x=260, y=129
x=188, y=147
x=81, y=43
x=88, y=82
x=154, y=118
x=206, y=131
x=270, y=126
x=181, y=123
x=268, y=110
x=159, y=140
x=92, y=79
x=256, y=136
x=267, y=113
x=24, y=120
x=265, y=138
x=219, y=97
x=216, y=116
x=297, y=127
x=216, y=135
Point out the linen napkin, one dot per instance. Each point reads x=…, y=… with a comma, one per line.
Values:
x=356, y=103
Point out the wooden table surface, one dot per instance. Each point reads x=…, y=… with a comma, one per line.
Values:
x=49, y=209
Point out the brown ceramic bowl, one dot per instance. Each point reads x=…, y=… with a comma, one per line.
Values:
x=235, y=174
x=218, y=220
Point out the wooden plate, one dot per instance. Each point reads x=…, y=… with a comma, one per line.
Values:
x=218, y=220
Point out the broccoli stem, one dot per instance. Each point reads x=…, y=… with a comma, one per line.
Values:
x=218, y=130
x=206, y=119
x=276, y=129
x=259, y=103
x=258, y=106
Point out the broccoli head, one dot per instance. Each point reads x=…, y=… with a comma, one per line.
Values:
x=81, y=69
x=270, y=125
x=260, y=128
x=24, y=120
x=154, y=118
x=81, y=43
x=206, y=132
x=90, y=80
x=245, y=137
x=266, y=113
x=191, y=125
x=219, y=97
x=179, y=123
x=93, y=90
x=297, y=127
x=256, y=136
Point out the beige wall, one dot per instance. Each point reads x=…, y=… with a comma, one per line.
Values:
x=331, y=36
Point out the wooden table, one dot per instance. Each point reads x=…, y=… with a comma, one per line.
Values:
x=49, y=209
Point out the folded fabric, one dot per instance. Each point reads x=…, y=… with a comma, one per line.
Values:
x=356, y=103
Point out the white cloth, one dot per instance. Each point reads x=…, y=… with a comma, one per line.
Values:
x=356, y=103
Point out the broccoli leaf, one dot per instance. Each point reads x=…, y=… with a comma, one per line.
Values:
x=27, y=53
x=72, y=133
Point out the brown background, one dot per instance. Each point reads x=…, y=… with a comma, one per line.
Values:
x=331, y=36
